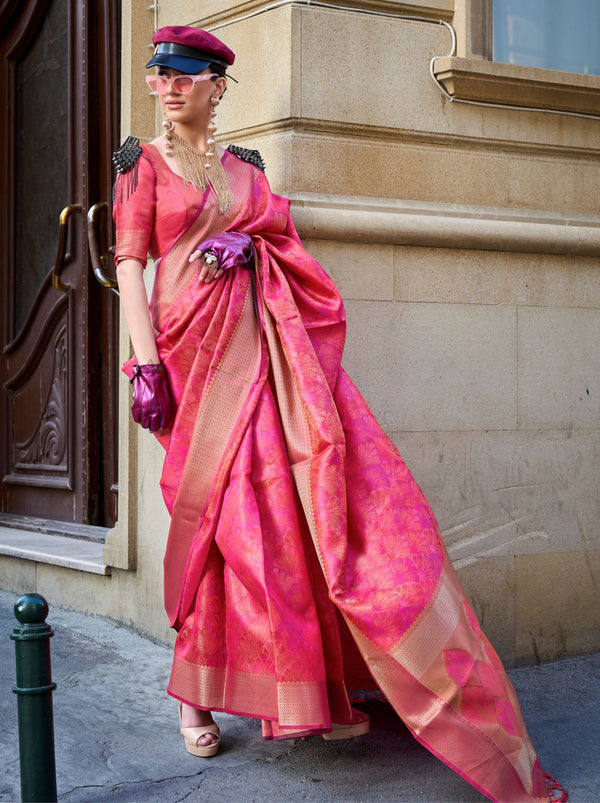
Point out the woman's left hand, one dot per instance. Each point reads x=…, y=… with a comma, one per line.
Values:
x=230, y=249
x=209, y=266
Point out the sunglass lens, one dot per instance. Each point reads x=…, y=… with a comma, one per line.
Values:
x=183, y=84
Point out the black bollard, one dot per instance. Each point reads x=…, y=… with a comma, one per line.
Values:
x=34, y=690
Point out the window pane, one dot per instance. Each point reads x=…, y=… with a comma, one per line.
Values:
x=553, y=34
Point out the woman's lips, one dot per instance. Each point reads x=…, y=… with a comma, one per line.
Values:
x=174, y=104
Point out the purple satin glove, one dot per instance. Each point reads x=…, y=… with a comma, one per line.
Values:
x=152, y=406
x=232, y=249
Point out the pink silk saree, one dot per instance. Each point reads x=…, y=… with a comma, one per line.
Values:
x=302, y=558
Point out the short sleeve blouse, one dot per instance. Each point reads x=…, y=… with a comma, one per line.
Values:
x=152, y=207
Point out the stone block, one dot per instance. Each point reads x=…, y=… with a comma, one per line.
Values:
x=557, y=605
x=265, y=66
x=434, y=366
x=509, y=493
x=17, y=575
x=360, y=271
x=395, y=168
x=569, y=184
x=81, y=591
x=152, y=516
x=141, y=599
x=387, y=87
x=559, y=368
x=138, y=107
x=461, y=276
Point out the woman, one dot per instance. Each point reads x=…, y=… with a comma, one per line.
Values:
x=302, y=558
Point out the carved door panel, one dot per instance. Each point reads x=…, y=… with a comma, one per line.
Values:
x=59, y=82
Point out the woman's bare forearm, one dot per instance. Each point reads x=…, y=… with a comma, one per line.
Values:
x=134, y=300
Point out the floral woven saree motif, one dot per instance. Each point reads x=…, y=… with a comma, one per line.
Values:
x=292, y=512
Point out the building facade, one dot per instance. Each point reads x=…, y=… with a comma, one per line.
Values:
x=454, y=200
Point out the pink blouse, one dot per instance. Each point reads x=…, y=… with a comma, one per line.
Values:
x=151, y=215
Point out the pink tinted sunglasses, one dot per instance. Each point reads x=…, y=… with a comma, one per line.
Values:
x=182, y=84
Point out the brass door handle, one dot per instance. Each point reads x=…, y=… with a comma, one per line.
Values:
x=63, y=230
x=98, y=261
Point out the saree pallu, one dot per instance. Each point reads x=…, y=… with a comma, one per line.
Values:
x=302, y=557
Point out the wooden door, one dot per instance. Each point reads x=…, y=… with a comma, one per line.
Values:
x=59, y=89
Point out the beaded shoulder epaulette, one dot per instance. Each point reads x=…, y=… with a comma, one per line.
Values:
x=248, y=155
x=127, y=155
x=125, y=159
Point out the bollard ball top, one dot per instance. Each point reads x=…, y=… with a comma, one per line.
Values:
x=31, y=609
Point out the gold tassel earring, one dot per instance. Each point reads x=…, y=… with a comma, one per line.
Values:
x=211, y=130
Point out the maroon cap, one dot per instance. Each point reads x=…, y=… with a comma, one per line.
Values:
x=189, y=50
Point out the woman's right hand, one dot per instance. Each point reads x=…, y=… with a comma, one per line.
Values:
x=152, y=407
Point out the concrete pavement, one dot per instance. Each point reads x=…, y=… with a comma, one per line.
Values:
x=117, y=736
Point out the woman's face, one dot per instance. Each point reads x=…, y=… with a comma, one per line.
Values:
x=193, y=108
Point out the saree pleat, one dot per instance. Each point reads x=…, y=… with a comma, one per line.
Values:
x=302, y=555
